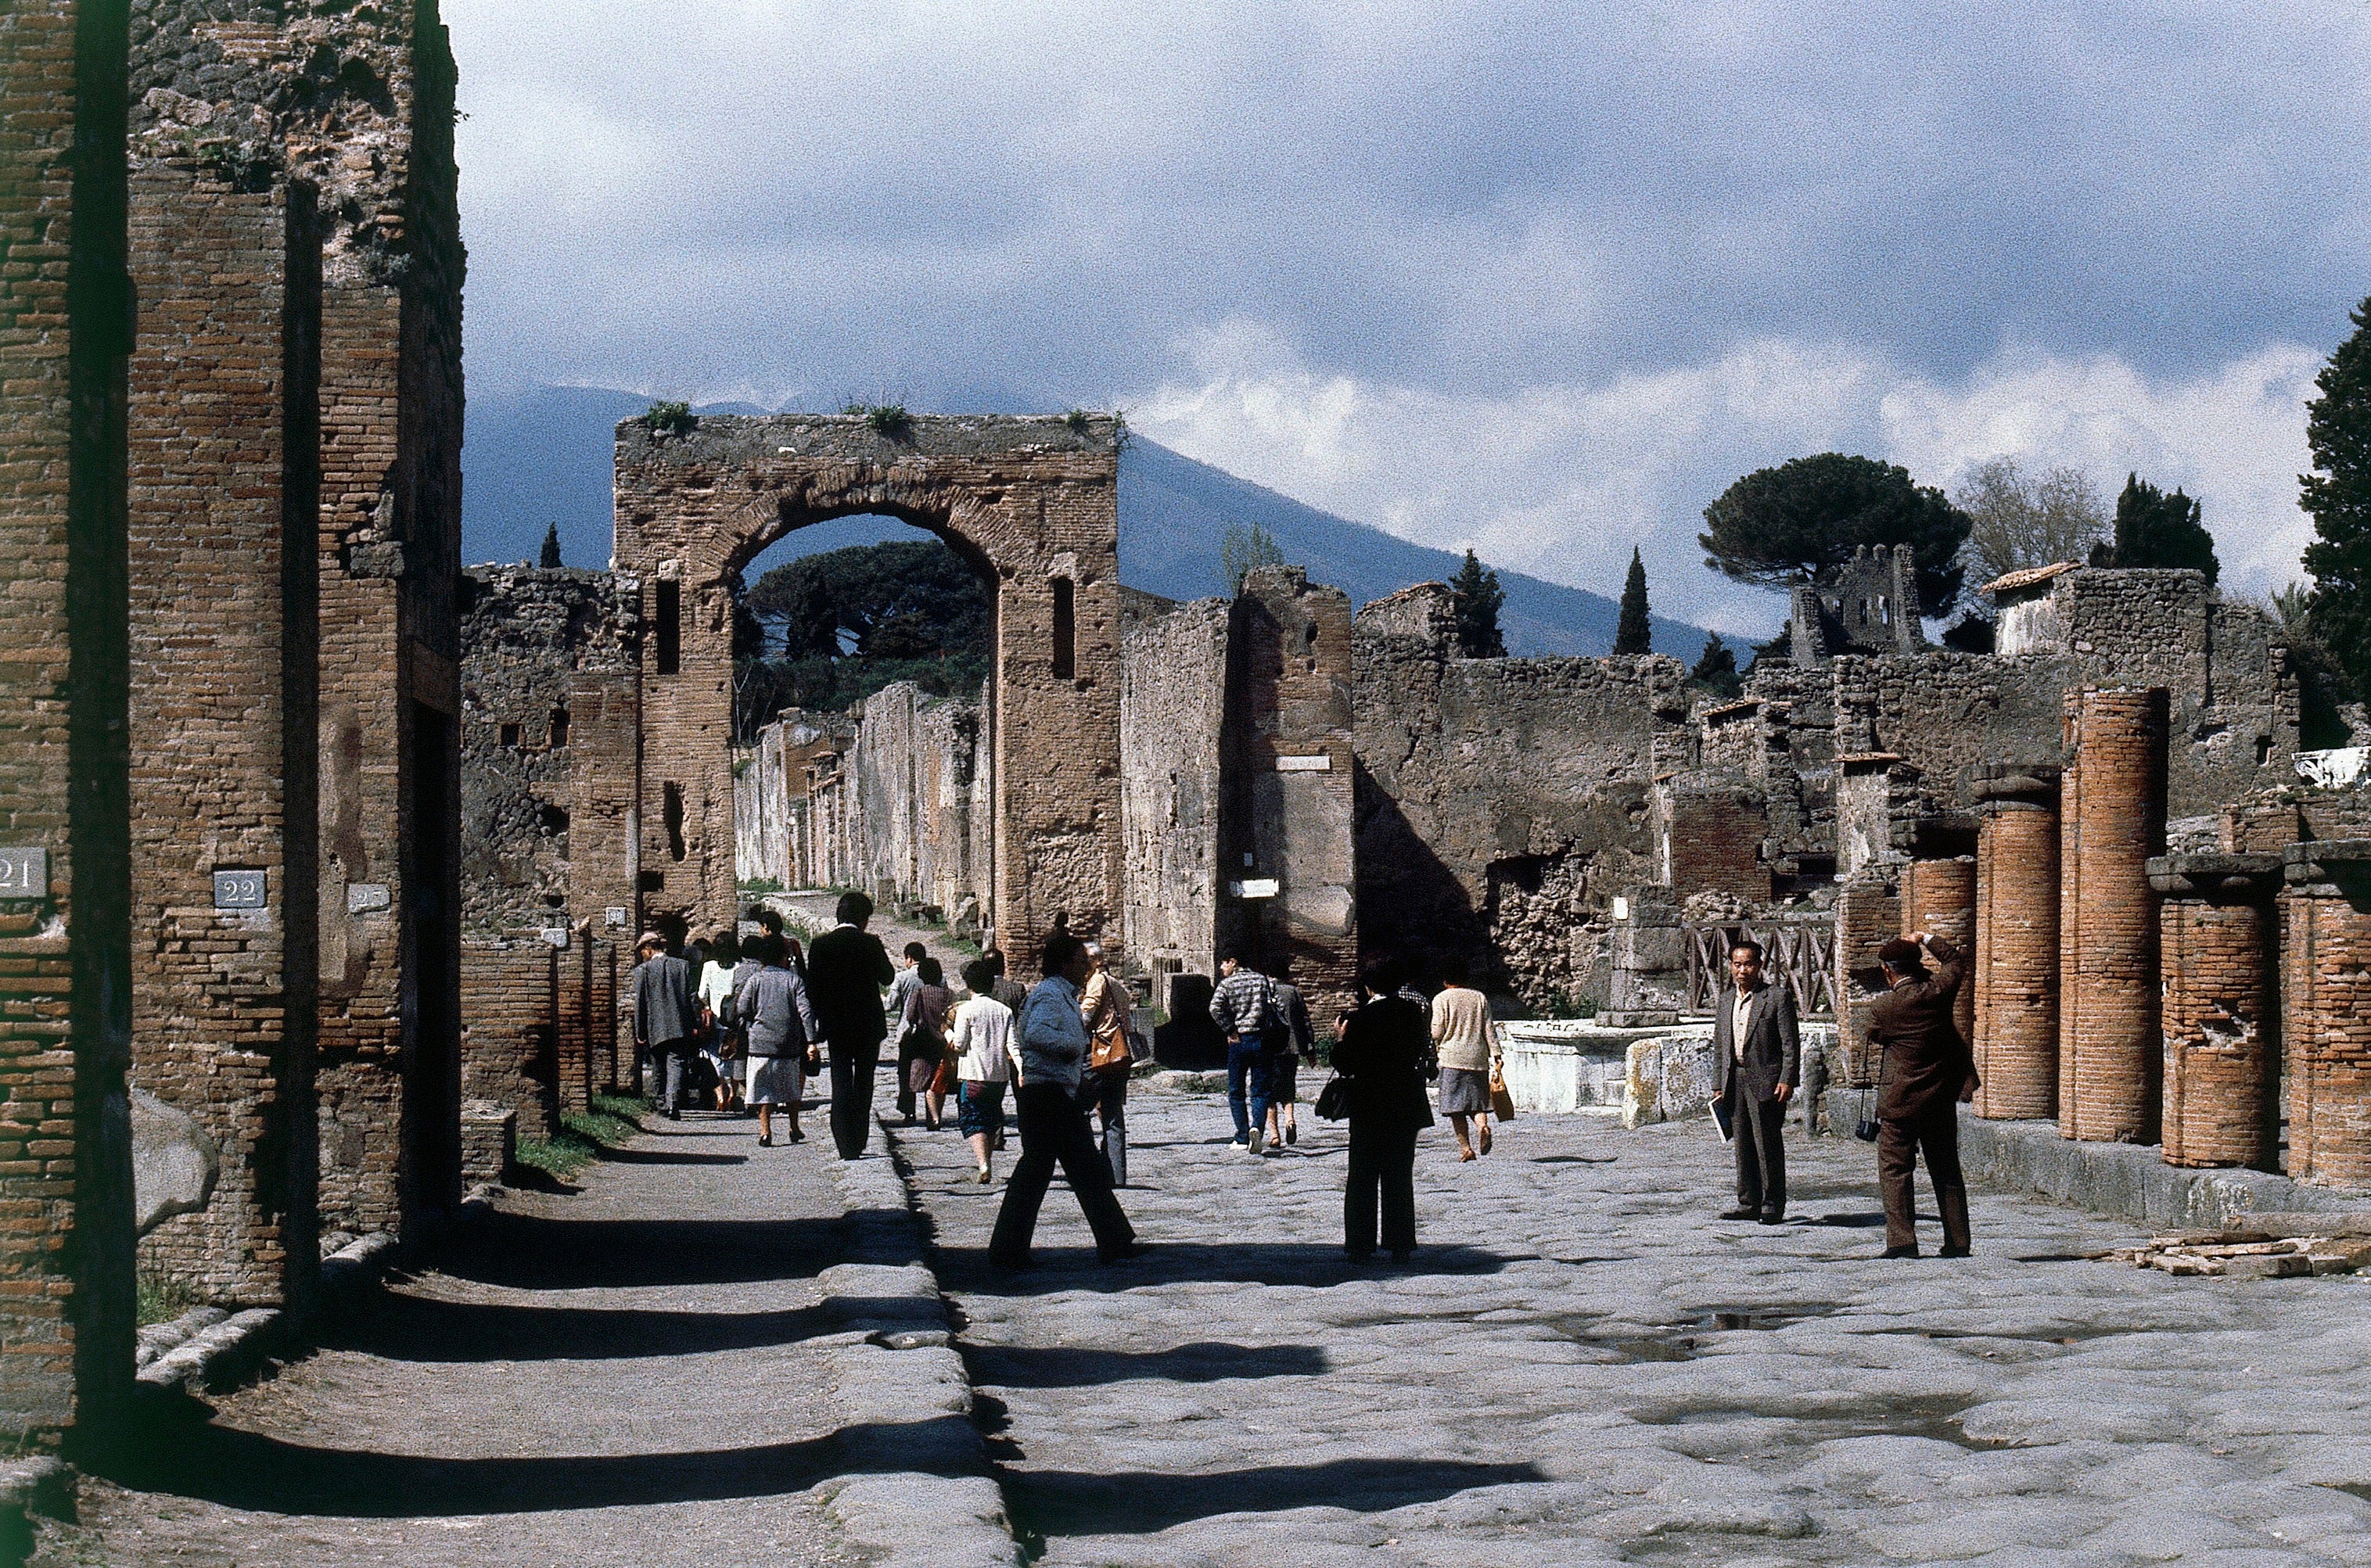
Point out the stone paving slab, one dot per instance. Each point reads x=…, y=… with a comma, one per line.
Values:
x=1583, y=1364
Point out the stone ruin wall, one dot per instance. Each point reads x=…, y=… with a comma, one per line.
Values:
x=550, y=754
x=1501, y=803
x=1173, y=706
x=920, y=775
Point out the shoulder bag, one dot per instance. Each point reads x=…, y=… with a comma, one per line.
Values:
x=1333, y=1100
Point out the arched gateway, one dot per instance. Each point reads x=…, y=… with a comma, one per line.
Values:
x=1031, y=503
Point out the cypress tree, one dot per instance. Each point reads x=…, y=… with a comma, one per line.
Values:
x=2338, y=494
x=1476, y=595
x=550, y=545
x=1635, y=632
x=2157, y=529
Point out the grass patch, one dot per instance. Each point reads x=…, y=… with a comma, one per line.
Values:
x=613, y=1119
x=160, y=1300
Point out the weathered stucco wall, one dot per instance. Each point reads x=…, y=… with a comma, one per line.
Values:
x=1172, y=705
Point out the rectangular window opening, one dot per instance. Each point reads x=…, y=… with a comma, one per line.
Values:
x=670, y=628
x=1066, y=630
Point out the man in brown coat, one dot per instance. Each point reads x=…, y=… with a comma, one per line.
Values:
x=1924, y=1070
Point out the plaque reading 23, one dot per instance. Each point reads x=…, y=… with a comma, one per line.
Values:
x=240, y=890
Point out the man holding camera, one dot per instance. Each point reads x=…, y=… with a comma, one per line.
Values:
x=1924, y=1070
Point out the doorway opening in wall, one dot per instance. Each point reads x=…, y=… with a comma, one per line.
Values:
x=826, y=617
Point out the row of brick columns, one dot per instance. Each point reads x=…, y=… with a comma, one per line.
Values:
x=2138, y=996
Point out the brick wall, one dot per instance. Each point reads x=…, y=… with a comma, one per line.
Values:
x=1868, y=914
x=66, y=1194
x=1710, y=832
x=2325, y=912
x=2110, y=1043
x=1940, y=897
x=2016, y=957
x=224, y=480
x=510, y=1045
x=1032, y=501
x=2221, y=1028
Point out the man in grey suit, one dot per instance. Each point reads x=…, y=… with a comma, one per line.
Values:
x=1759, y=1053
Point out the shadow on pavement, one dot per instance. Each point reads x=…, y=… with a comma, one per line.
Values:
x=667, y=1157
x=1062, y=1502
x=528, y=1252
x=405, y=1327
x=1061, y=1367
x=190, y=1458
x=966, y=1268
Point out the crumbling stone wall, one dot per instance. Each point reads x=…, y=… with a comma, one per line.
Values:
x=1031, y=501
x=1477, y=775
x=1173, y=708
x=550, y=779
x=65, y=1183
x=225, y=478
x=918, y=768
x=1285, y=839
x=356, y=103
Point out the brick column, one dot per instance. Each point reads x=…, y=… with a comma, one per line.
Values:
x=223, y=573
x=2220, y=1108
x=2326, y=1010
x=1868, y=913
x=1939, y=898
x=2111, y=1043
x=2016, y=942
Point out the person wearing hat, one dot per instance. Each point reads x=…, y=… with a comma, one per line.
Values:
x=1924, y=1070
x=666, y=1018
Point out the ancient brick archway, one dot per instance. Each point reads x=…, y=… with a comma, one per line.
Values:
x=1033, y=502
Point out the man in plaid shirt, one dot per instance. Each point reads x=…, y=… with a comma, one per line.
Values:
x=1243, y=1007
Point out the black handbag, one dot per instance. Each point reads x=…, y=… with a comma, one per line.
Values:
x=1333, y=1100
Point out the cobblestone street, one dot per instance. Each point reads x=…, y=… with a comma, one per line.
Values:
x=1582, y=1365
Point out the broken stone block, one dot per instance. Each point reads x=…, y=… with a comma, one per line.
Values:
x=174, y=1162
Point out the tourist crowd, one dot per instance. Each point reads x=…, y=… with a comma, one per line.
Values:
x=743, y=1023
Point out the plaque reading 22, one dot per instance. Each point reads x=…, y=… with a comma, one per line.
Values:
x=240, y=890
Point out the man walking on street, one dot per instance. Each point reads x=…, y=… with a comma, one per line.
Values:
x=901, y=991
x=1243, y=1007
x=1924, y=1070
x=1759, y=1053
x=1053, y=1050
x=845, y=969
x=666, y=1019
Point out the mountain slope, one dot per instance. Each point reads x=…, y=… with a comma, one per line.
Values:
x=545, y=457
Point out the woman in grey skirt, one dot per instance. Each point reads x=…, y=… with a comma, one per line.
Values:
x=1466, y=1040
x=772, y=1005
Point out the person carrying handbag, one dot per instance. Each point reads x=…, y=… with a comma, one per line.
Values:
x=1104, y=1008
x=1292, y=1042
x=1379, y=1063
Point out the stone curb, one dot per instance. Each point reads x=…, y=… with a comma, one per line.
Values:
x=2131, y=1181
x=903, y=1393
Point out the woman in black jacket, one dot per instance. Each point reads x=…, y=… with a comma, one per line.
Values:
x=1382, y=1057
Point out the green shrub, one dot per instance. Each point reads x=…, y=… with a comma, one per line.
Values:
x=890, y=422
x=158, y=1300
x=583, y=1136
x=671, y=419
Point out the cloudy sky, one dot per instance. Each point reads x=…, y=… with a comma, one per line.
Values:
x=1540, y=279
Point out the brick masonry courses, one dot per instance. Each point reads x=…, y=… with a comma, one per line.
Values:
x=2325, y=911
x=1031, y=501
x=224, y=466
x=1940, y=897
x=66, y=1190
x=2017, y=950
x=359, y=103
x=2111, y=1041
x=2221, y=1028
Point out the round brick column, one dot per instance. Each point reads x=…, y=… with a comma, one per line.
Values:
x=2112, y=1048
x=2221, y=1107
x=2325, y=1010
x=2016, y=942
x=1939, y=898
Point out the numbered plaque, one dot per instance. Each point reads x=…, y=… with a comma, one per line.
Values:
x=24, y=873
x=241, y=890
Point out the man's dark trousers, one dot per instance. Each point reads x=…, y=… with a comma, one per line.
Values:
x=1054, y=1127
x=1898, y=1144
x=852, y=1072
x=1380, y=1162
x=1758, y=1132
x=1247, y=1088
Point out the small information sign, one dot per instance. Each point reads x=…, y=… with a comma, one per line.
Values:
x=241, y=890
x=25, y=872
